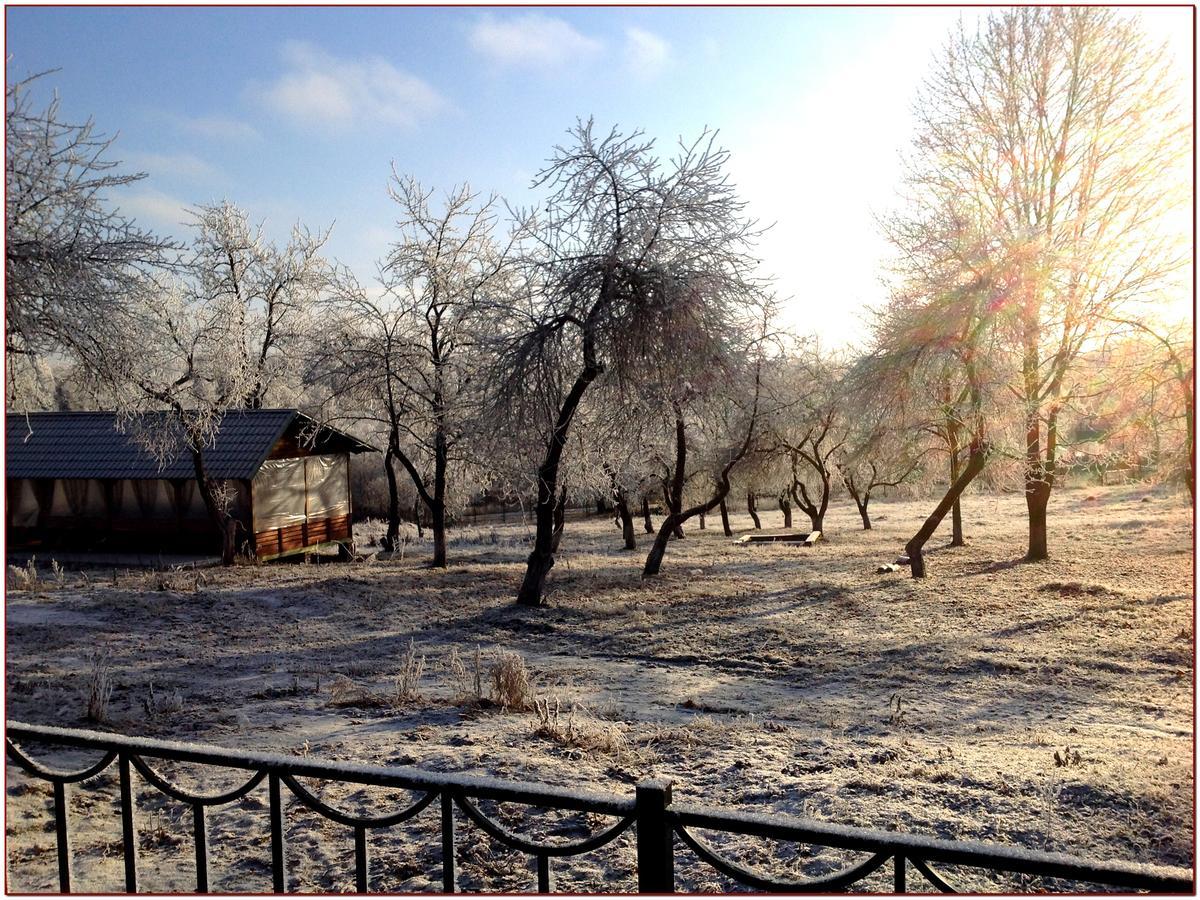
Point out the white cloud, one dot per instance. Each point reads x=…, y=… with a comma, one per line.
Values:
x=646, y=54
x=217, y=128
x=319, y=89
x=531, y=40
x=155, y=208
x=179, y=165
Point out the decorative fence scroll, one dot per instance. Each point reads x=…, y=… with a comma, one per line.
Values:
x=661, y=826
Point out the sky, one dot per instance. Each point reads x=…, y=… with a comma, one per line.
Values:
x=299, y=114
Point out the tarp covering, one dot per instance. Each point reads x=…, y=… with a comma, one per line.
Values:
x=295, y=491
x=326, y=487
x=22, y=503
x=146, y=499
x=279, y=498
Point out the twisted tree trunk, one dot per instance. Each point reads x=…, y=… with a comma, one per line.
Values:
x=547, y=513
x=915, y=546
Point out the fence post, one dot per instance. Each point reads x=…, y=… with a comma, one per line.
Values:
x=655, y=838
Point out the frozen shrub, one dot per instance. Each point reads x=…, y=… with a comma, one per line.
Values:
x=157, y=705
x=26, y=577
x=510, y=681
x=467, y=683
x=408, y=679
x=343, y=693
x=577, y=729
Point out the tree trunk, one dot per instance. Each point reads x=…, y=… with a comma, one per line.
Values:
x=1037, y=498
x=673, y=511
x=725, y=519
x=975, y=463
x=647, y=522
x=622, y=504
x=391, y=540
x=701, y=517
x=541, y=557
x=814, y=511
x=437, y=509
x=439, y=535
x=225, y=524
x=862, y=511
x=956, y=533
x=560, y=519
x=753, y=509
x=786, y=507
x=417, y=518
x=861, y=498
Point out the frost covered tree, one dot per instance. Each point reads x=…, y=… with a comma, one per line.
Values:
x=1056, y=134
x=632, y=255
x=179, y=355
x=413, y=355
x=885, y=445
x=714, y=430
x=809, y=429
x=937, y=326
x=71, y=257
x=269, y=292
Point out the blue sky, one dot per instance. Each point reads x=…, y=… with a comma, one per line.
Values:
x=298, y=114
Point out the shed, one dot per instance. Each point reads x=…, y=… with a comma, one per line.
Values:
x=75, y=481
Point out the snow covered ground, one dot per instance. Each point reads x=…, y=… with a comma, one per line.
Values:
x=767, y=678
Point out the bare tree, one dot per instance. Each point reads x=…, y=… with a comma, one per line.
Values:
x=174, y=368
x=940, y=319
x=441, y=276
x=1178, y=359
x=885, y=444
x=737, y=428
x=1056, y=132
x=809, y=431
x=633, y=256
x=71, y=258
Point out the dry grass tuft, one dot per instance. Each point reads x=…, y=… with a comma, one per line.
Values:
x=25, y=578
x=158, y=705
x=578, y=729
x=345, y=693
x=408, y=679
x=510, y=682
x=467, y=683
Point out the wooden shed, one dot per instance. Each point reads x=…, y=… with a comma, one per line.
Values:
x=75, y=482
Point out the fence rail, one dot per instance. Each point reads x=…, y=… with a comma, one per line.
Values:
x=657, y=821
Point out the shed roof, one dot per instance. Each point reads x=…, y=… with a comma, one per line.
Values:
x=89, y=445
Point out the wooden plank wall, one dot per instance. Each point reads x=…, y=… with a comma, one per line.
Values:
x=275, y=541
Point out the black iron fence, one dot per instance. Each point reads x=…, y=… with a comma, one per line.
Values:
x=661, y=825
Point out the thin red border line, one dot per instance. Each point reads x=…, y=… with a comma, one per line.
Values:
x=592, y=5
x=4, y=307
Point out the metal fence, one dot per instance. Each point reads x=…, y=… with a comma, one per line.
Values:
x=661, y=825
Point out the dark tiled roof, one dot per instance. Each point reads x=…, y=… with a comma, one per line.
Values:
x=88, y=445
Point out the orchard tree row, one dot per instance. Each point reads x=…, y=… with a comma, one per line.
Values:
x=621, y=340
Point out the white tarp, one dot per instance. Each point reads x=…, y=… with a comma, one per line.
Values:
x=327, y=487
x=279, y=494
